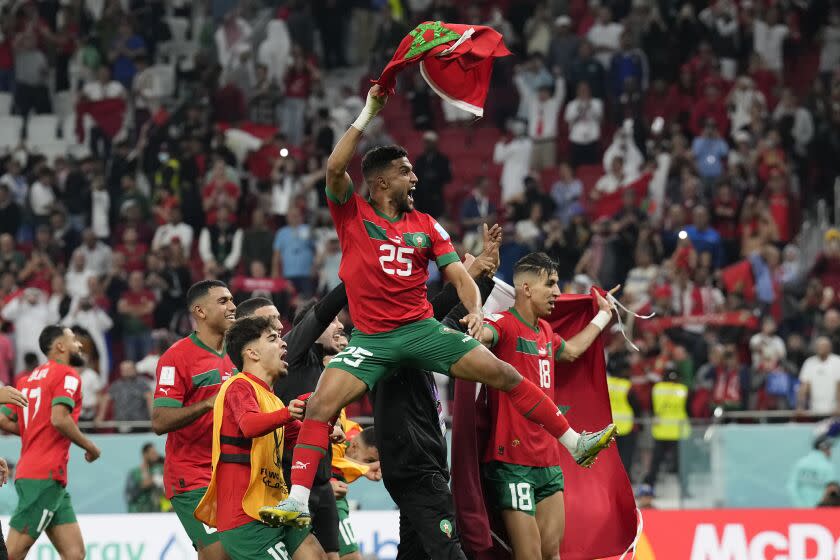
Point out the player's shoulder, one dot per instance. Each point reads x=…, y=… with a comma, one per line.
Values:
x=64, y=370
x=176, y=352
x=499, y=318
x=544, y=326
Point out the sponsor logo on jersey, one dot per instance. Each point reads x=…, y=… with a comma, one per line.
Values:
x=167, y=375
x=165, y=391
x=396, y=239
x=542, y=351
x=300, y=465
x=71, y=384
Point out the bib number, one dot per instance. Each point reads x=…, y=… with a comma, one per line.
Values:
x=396, y=261
x=545, y=374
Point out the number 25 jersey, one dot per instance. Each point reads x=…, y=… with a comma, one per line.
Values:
x=385, y=263
x=531, y=350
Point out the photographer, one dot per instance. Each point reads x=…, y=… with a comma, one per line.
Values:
x=144, y=484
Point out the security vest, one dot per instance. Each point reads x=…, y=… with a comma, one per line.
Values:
x=266, y=485
x=670, y=422
x=622, y=412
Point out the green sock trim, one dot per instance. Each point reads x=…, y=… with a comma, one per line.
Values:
x=320, y=450
x=527, y=414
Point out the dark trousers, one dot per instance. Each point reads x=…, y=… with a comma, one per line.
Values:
x=324, y=516
x=427, y=520
x=627, y=450
x=661, y=450
x=31, y=98
x=585, y=154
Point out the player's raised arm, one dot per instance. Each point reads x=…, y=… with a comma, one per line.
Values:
x=580, y=343
x=338, y=180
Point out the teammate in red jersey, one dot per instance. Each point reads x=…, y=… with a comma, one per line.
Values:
x=47, y=425
x=521, y=471
x=189, y=375
x=386, y=247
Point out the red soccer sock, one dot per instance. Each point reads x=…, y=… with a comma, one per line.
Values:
x=534, y=405
x=311, y=447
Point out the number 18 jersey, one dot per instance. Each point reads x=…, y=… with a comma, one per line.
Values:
x=531, y=350
x=385, y=263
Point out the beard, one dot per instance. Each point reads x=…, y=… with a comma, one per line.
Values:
x=77, y=360
x=403, y=204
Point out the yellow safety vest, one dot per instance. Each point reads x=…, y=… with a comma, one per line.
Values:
x=622, y=412
x=266, y=486
x=670, y=422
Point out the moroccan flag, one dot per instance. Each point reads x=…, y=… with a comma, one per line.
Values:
x=455, y=60
x=600, y=508
x=108, y=114
x=609, y=204
x=738, y=278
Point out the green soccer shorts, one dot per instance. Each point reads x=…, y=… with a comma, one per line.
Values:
x=521, y=488
x=346, y=537
x=425, y=345
x=184, y=505
x=41, y=504
x=256, y=541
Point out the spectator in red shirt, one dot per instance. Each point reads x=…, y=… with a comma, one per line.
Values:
x=132, y=250
x=660, y=103
x=711, y=106
x=778, y=203
x=136, y=309
x=765, y=80
x=681, y=96
x=298, y=86
x=219, y=191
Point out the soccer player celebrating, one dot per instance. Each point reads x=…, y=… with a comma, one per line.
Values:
x=248, y=433
x=386, y=247
x=189, y=375
x=520, y=462
x=47, y=424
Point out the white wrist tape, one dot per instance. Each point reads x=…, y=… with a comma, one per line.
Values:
x=602, y=319
x=364, y=118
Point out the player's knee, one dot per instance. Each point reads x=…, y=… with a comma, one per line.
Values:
x=318, y=409
x=17, y=552
x=73, y=553
x=551, y=554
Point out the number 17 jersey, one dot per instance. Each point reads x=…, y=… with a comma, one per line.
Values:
x=385, y=262
x=531, y=350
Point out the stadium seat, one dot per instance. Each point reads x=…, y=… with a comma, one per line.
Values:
x=165, y=80
x=5, y=103
x=41, y=129
x=64, y=103
x=11, y=127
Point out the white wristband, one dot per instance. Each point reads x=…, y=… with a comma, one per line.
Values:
x=602, y=319
x=370, y=110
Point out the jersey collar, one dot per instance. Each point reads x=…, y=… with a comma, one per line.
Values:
x=516, y=314
x=385, y=216
x=197, y=341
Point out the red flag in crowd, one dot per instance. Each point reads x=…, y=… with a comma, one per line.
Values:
x=455, y=60
x=108, y=114
x=609, y=204
x=600, y=507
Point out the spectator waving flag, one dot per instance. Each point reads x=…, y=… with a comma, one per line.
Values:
x=601, y=497
x=455, y=60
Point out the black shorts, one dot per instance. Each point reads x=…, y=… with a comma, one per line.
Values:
x=427, y=520
x=324, y=516
x=4, y=554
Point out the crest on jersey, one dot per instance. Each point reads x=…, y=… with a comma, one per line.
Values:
x=167, y=375
x=71, y=384
x=446, y=527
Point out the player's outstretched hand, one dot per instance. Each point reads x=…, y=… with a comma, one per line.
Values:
x=10, y=395
x=603, y=303
x=473, y=322
x=338, y=435
x=339, y=488
x=4, y=471
x=376, y=99
x=374, y=472
x=92, y=454
x=296, y=409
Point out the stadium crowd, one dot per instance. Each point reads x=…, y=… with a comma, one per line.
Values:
x=672, y=147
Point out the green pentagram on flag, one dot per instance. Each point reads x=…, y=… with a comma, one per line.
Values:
x=440, y=35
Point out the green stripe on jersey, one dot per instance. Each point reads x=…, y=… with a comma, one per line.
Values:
x=526, y=346
x=67, y=401
x=6, y=411
x=206, y=379
x=417, y=239
x=375, y=232
x=165, y=402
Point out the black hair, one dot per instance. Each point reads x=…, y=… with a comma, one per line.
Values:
x=201, y=289
x=302, y=310
x=242, y=332
x=30, y=359
x=250, y=306
x=368, y=436
x=48, y=336
x=146, y=447
x=381, y=157
x=535, y=263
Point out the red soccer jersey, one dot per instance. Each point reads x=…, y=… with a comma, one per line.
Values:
x=532, y=351
x=187, y=373
x=44, y=452
x=385, y=264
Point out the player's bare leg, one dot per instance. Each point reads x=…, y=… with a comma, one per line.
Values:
x=483, y=366
x=336, y=389
x=213, y=552
x=67, y=540
x=309, y=549
x=524, y=534
x=551, y=520
x=352, y=556
x=333, y=556
x=18, y=544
